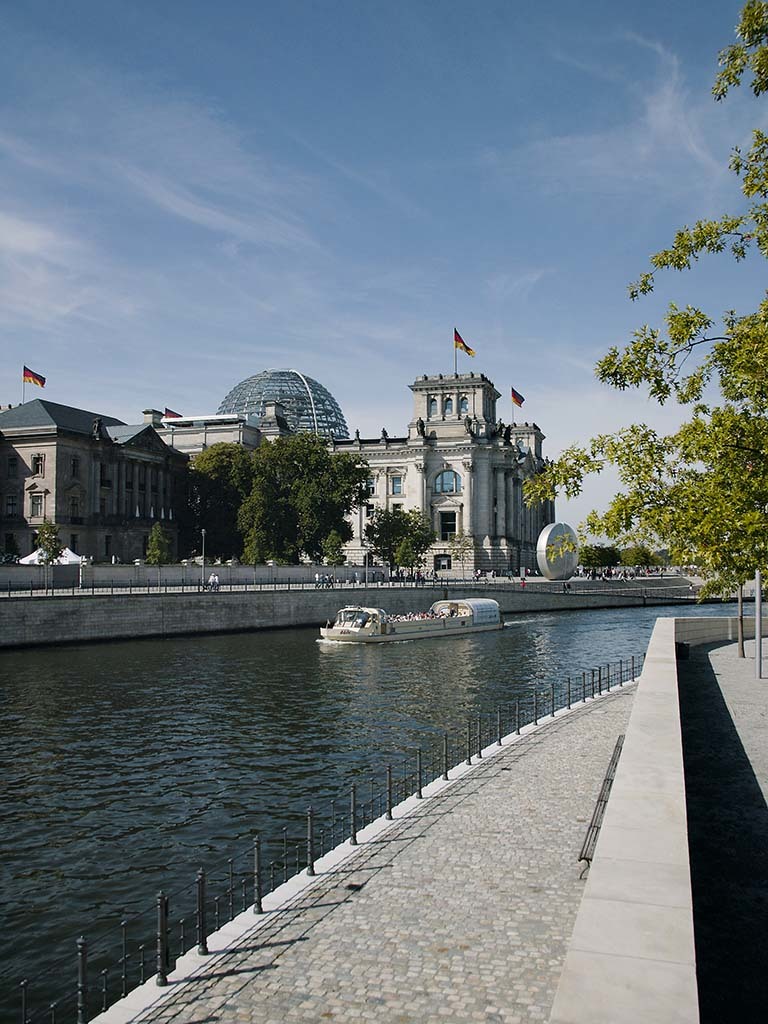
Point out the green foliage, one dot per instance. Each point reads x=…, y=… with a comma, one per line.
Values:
x=220, y=479
x=701, y=491
x=599, y=556
x=461, y=546
x=388, y=529
x=300, y=494
x=638, y=554
x=49, y=542
x=158, y=546
x=333, y=549
x=407, y=556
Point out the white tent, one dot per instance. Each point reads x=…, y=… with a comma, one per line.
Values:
x=67, y=557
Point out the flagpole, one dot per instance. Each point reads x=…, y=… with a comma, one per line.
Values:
x=455, y=355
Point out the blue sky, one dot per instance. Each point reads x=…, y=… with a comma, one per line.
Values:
x=190, y=193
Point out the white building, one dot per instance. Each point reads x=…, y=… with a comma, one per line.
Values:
x=464, y=469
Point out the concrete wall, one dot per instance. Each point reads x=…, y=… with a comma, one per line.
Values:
x=26, y=621
x=632, y=956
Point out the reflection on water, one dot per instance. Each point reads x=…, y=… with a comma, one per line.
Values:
x=130, y=764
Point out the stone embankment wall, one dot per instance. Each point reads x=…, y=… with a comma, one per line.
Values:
x=35, y=621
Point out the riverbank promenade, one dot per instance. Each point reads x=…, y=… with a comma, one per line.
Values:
x=464, y=908
x=461, y=910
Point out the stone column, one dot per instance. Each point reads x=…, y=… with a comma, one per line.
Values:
x=468, y=497
x=501, y=503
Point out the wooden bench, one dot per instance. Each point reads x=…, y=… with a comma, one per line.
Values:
x=590, y=840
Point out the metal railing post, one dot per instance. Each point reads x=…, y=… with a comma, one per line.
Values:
x=257, y=907
x=202, y=929
x=479, y=735
x=419, y=794
x=583, y=686
x=353, y=816
x=535, y=706
x=552, y=698
x=388, y=815
x=23, y=985
x=592, y=671
x=498, y=726
x=162, y=940
x=469, y=741
x=82, y=981
x=310, y=841
x=633, y=666
x=599, y=679
x=517, y=715
x=445, y=756
x=569, y=693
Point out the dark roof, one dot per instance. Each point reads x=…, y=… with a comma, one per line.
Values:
x=41, y=413
x=122, y=432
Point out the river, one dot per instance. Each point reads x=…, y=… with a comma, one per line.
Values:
x=129, y=765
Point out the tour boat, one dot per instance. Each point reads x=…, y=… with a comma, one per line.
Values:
x=357, y=625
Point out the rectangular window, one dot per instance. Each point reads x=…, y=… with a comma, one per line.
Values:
x=74, y=467
x=11, y=505
x=74, y=507
x=371, y=486
x=442, y=562
x=369, y=509
x=396, y=484
x=13, y=467
x=74, y=542
x=447, y=525
x=38, y=465
x=37, y=505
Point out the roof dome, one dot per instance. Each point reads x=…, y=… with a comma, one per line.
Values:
x=308, y=405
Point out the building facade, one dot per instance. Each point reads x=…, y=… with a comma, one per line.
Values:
x=103, y=482
x=464, y=469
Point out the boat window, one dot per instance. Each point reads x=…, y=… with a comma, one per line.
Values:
x=447, y=482
x=360, y=619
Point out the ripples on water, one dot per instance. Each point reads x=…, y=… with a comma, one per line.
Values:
x=128, y=765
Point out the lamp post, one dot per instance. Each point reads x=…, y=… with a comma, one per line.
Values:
x=202, y=567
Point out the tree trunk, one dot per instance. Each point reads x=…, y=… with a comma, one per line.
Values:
x=740, y=641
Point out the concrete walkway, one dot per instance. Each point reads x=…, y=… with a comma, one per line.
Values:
x=461, y=911
x=724, y=714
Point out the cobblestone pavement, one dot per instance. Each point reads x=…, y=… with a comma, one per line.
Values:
x=460, y=912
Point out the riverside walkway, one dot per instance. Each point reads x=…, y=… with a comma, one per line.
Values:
x=460, y=910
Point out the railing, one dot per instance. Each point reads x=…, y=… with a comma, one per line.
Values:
x=37, y=587
x=151, y=942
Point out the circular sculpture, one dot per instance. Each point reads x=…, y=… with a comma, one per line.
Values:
x=557, y=551
x=308, y=405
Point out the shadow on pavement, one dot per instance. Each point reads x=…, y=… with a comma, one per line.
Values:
x=728, y=845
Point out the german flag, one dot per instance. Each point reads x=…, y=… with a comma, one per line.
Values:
x=517, y=398
x=30, y=377
x=458, y=342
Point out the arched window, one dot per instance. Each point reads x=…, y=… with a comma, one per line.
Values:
x=432, y=407
x=447, y=482
x=448, y=407
x=463, y=405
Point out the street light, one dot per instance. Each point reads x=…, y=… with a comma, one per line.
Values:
x=202, y=567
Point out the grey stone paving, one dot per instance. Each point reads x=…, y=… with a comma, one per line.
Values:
x=462, y=912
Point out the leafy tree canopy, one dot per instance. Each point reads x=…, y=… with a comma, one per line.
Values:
x=599, y=556
x=702, y=491
x=49, y=542
x=333, y=549
x=388, y=529
x=158, y=546
x=461, y=546
x=301, y=493
x=220, y=479
x=638, y=554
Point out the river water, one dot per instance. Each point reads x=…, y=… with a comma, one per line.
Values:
x=129, y=765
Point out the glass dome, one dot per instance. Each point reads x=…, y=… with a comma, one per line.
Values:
x=308, y=405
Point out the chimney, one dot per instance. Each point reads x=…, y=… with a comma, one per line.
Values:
x=153, y=416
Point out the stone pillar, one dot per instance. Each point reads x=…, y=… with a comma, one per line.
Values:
x=468, y=524
x=501, y=503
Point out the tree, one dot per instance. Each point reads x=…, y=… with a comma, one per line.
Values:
x=461, y=545
x=220, y=479
x=388, y=529
x=599, y=556
x=702, y=491
x=49, y=543
x=158, y=546
x=638, y=554
x=333, y=549
x=301, y=493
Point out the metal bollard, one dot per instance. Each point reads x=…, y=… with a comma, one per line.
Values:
x=82, y=1006
x=353, y=816
x=202, y=930
x=310, y=841
x=257, y=907
x=388, y=814
x=231, y=889
x=285, y=853
x=24, y=985
x=163, y=959
x=419, y=794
